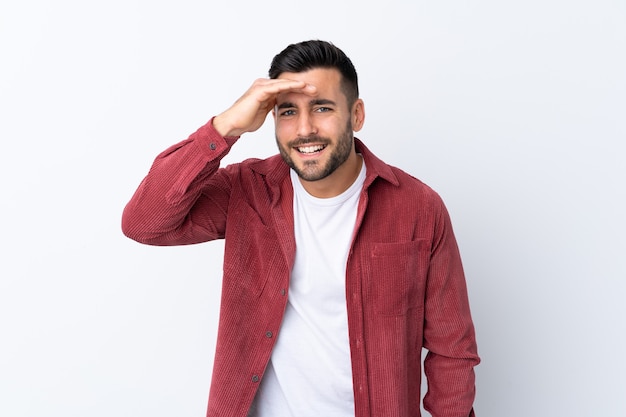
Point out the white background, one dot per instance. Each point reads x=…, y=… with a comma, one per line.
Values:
x=514, y=111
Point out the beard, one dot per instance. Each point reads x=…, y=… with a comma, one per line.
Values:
x=317, y=170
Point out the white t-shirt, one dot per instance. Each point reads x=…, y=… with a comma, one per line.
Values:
x=310, y=371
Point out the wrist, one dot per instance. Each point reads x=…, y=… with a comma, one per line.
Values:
x=223, y=127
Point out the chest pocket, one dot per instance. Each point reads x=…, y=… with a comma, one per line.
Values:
x=397, y=276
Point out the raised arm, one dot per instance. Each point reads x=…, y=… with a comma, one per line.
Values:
x=250, y=111
x=184, y=198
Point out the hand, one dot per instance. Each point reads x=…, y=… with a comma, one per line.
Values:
x=250, y=111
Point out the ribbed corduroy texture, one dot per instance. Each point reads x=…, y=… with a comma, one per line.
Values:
x=404, y=281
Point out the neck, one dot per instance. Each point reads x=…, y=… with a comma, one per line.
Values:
x=337, y=182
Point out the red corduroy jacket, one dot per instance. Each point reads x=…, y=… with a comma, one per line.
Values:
x=405, y=287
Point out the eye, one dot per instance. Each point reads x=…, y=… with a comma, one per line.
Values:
x=286, y=113
x=323, y=109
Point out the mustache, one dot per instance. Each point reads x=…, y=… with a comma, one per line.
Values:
x=305, y=140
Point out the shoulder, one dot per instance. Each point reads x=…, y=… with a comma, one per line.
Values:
x=408, y=189
x=409, y=182
x=257, y=166
x=379, y=172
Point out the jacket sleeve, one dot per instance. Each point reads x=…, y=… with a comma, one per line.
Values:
x=449, y=333
x=184, y=198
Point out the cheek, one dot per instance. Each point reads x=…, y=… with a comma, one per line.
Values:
x=284, y=130
x=281, y=134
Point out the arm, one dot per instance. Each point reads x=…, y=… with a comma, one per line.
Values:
x=184, y=197
x=448, y=330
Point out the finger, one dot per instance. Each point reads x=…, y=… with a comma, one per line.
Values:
x=273, y=87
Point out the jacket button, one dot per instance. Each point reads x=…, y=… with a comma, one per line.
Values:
x=255, y=378
x=213, y=146
x=268, y=334
x=283, y=291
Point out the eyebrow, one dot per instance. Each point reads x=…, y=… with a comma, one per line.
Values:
x=314, y=102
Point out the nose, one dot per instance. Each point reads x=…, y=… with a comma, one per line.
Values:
x=306, y=125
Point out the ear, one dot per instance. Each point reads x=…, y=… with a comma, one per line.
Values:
x=358, y=115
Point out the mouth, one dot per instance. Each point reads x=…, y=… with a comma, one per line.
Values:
x=310, y=149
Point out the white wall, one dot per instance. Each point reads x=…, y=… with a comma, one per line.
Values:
x=513, y=111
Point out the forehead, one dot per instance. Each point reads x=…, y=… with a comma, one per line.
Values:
x=326, y=80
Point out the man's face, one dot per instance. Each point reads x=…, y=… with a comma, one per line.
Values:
x=315, y=133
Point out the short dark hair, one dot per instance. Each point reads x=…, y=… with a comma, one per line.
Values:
x=307, y=55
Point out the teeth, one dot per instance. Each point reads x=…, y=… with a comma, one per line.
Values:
x=310, y=149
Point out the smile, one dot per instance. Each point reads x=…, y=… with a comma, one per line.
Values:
x=310, y=149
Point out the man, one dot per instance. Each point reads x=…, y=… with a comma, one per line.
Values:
x=338, y=269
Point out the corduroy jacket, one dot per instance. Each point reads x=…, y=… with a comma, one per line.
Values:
x=405, y=287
